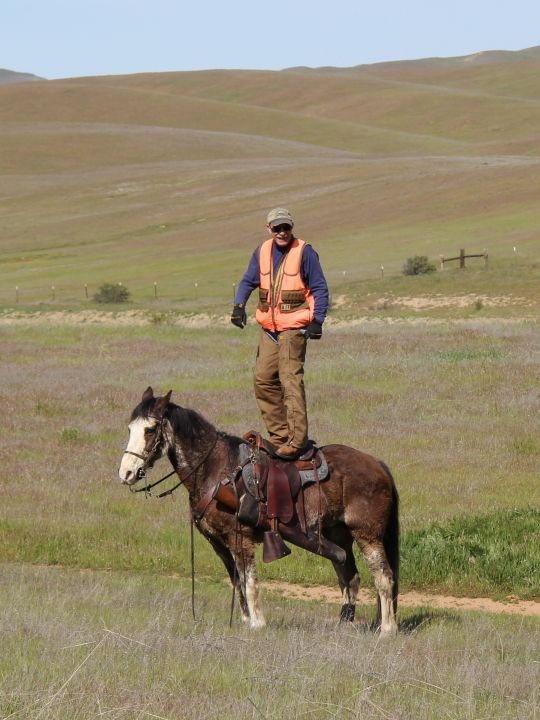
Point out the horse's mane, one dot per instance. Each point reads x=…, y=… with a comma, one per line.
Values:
x=193, y=427
x=143, y=410
x=186, y=423
x=189, y=424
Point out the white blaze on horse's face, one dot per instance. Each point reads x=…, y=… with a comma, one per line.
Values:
x=141, y=433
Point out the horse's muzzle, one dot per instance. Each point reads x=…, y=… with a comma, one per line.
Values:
x=132, y=477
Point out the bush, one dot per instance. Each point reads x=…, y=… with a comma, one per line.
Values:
x=109, y=293
x=418, y=265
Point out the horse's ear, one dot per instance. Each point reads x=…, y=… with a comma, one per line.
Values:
x=161, y=404
x=148, y=394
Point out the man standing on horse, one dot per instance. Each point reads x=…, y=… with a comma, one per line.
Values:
x=293, y=302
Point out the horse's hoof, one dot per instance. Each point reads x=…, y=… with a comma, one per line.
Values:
x=257, y=624
x=389, y=632
x=347, y=613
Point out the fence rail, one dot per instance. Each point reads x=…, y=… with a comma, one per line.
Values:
x=461, y=257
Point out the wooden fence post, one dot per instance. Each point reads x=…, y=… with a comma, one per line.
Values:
x=462, y=258
x=442, y=261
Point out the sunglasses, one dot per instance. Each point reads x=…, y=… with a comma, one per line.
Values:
x=281, y=228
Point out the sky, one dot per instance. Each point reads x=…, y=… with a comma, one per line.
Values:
x=72, y=38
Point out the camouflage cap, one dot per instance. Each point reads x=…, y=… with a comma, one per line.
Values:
x=279, y=215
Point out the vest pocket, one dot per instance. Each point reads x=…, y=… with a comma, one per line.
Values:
x=292, y=300
x=263, y=300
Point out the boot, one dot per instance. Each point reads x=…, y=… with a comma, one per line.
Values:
x=288, y=452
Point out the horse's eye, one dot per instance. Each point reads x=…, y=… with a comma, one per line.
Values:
x=149, y=431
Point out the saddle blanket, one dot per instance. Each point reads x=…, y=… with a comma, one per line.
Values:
x=307, y=477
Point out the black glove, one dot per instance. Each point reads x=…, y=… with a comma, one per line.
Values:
x=239, y=317
x=314, y=330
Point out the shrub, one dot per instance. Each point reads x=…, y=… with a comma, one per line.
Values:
x=109, y=293
x=70, y=435
x=418, y=265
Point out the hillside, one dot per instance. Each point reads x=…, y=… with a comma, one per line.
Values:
x=143, y=178
x=9, y=76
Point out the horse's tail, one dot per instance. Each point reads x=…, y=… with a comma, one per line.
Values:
x=391, y=537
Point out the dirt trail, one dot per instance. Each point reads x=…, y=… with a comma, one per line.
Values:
x=408, y=599
x=137, y=318
x=332, y=595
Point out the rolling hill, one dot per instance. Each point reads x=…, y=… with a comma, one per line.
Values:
x=10, y=76
x=167, y=177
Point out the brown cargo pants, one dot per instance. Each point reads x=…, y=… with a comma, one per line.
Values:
x=279, y=387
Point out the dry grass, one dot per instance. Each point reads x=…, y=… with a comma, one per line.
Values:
x=79, y=645
x=135, y=179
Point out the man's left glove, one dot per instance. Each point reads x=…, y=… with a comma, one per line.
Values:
x=314, y=330
x=239, y=317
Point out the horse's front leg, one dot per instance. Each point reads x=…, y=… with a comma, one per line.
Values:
x=228, y=560
x=243, y=550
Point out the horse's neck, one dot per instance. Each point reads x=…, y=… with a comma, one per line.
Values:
x=192, y=462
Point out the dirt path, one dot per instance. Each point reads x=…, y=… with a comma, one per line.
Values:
x=409, y=599
x=137, y=318
x=332, y=595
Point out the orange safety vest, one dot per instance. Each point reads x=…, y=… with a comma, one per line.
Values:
x=285, y=303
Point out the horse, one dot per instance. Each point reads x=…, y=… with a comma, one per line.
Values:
x=357, y=503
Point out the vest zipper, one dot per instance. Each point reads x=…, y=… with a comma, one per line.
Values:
x=275, y=291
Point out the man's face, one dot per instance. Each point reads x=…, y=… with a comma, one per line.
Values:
x=282, y=234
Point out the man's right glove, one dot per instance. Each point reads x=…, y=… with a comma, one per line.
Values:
x=239, y=317
x=314, y=330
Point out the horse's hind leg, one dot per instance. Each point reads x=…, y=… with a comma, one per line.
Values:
x=347, y=574
x=375, y=556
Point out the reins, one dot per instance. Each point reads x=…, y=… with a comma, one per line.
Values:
x=146, y=489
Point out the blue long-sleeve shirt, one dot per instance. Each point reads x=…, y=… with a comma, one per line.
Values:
x=310, y=270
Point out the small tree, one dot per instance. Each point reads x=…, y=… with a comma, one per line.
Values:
x=109, y=293
x=418, y=265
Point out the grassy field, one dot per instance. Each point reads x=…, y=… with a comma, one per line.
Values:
x=79, y=645
x=453, y=409
x=162, y=182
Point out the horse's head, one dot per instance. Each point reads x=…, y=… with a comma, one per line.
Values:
x=147, y=439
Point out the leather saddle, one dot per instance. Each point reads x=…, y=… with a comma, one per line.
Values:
x=274, y=490
x=273, y=499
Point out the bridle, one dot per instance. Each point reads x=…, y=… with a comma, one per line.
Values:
x=148, y=458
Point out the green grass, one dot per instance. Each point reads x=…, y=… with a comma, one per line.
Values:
x=506, y=289
x=495, y=555
x=477, y=553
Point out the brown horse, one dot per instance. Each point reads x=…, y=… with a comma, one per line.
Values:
x=357, y=503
